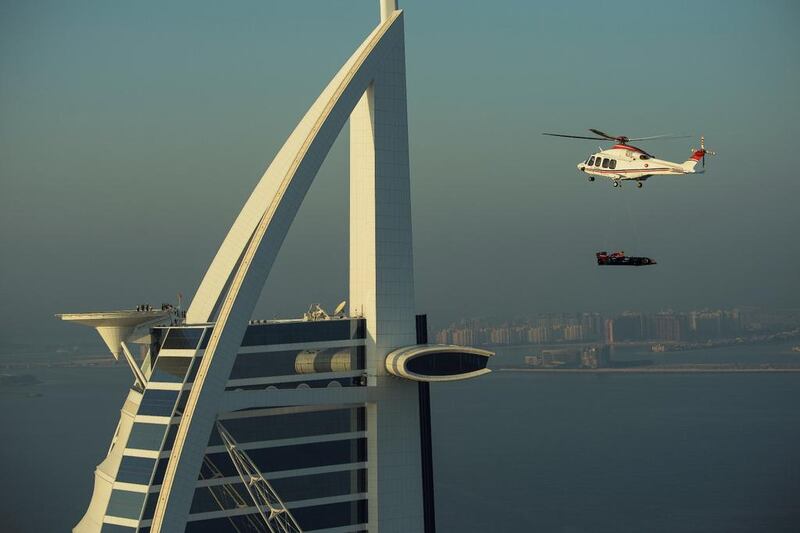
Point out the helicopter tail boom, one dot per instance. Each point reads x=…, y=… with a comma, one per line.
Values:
x=690, y=163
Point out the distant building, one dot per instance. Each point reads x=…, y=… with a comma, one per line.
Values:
x=608, y=328
x=666, y=327
x=595, y=357
x=628, y=327
x=573, y=333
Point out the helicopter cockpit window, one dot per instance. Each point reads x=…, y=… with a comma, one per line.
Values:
x=597, y=162
x=605, y=163
x=591, y=161
x=612, y=163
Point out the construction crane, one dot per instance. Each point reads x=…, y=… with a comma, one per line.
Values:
x=270, y=506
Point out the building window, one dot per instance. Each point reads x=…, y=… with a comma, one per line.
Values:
x=114, y=528
x=182, y=338
x=170, y=369
x=446, y=364
x=150, y=505
x=291, y=457
x=135, y=470
x=146, y=436
x=158, y=402
x=223, y=497
x=125, y=504
x=300, y=383
x=309, y=518
x=331, y=515
x=292, y=425
x=294, y=362
x=300, y=331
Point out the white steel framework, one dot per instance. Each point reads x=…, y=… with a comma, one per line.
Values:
x=270, y=507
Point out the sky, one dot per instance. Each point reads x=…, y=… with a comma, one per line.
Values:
x=131, y=133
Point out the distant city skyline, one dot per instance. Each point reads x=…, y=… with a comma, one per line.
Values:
x=156, y=120
x=629, y=326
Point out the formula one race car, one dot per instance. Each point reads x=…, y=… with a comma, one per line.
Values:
x=620, y=259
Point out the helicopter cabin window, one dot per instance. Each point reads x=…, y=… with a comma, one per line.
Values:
x=597, y=162
x=591, y=161
x=605, y=163
x=612, y=163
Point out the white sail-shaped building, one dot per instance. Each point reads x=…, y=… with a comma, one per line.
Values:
x=314, y=424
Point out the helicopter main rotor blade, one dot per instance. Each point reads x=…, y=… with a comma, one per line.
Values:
x=574, y=136
x=605, y=135
x=659, y=137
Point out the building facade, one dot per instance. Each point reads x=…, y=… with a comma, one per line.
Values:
x=315, y=424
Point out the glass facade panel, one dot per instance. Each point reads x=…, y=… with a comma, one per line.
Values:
x=146, y=436
x=184, y=397
x=294, y=332
x=250, y=522
x=170, y=440
x=321, y=485
x=125, y=504
x=265, y=428
x=161, y=468
x=150, y=505
x=289, y=332
x=158, y=402
x=135, y=470
x=194, y=369
x=170, y=369
x=309, y=518
x=182, y=338
x=113, y=528
x=301, y=384
x=332, y=515
x=292, y=457
x=156, y=338
x=293, y=362
x=446, y=364
x=231, y=496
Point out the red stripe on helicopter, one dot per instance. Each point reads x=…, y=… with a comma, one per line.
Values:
x=621, y=170
x=628, y=147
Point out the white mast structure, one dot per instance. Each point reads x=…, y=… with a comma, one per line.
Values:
x=370, y=91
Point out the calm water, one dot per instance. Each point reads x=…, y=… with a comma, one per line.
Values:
x=513, y=452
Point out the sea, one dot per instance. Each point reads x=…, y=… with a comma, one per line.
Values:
x=513, y=451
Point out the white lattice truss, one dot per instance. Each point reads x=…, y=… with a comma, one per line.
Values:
x=270, y=506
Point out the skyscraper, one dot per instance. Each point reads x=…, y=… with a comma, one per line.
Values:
x=320, y=423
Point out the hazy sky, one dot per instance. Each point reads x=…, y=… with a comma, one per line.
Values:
x=131, y=133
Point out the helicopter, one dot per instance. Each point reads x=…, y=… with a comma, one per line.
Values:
x=624, y=162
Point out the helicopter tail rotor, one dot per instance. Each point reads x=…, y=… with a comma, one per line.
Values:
x=699, y=154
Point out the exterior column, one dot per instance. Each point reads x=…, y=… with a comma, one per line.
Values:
x=382, y=290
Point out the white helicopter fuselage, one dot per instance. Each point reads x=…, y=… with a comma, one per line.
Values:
x=623, y=162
